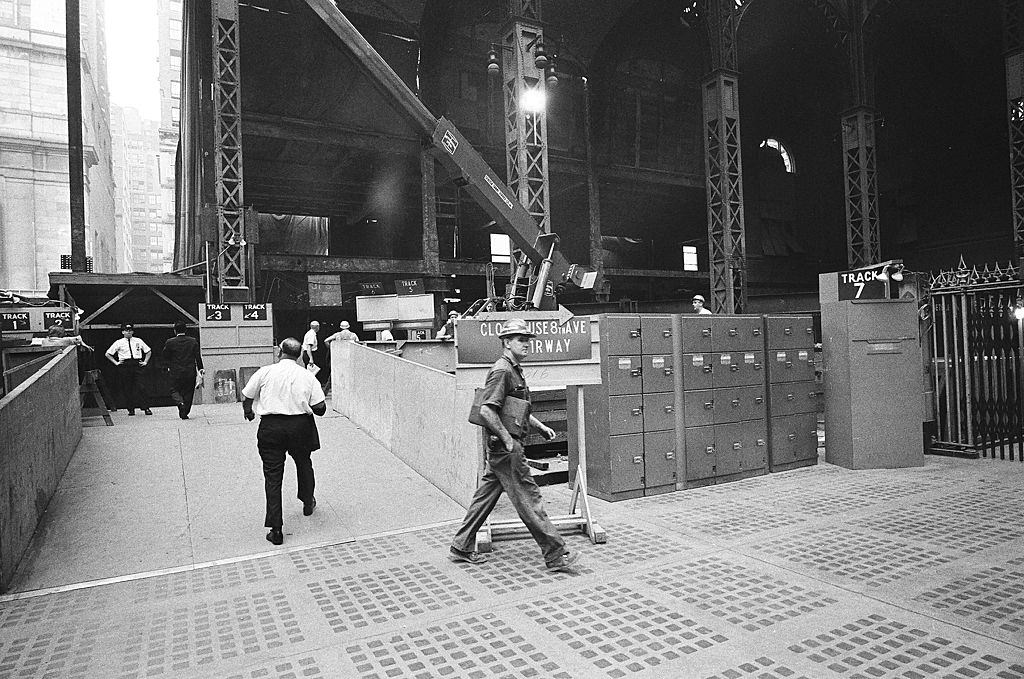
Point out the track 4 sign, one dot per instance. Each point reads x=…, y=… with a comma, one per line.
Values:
x=862, y=284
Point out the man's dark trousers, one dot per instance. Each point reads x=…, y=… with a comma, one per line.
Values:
x=129, y=377
x=277, y=435
x=183, y=389
x=508, y=471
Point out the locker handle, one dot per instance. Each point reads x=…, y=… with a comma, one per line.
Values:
x=707, y=368
x=789, y=364
x=636, y=412
x=734, y=367
x=634, y=333
x=733, y=332
x=708, y=405
x=636, y=372
x=787, y=331
x=810, y=331
x=710, y=450
x=737, y=445
x=706, y=332
x=666, y=333
x=670, y=408
x=760, y=442
x=759, y=400
x=790, y=397
x=757, y=366
x=670, y=455
x=735, y=403
x=814, y=394
x=757, y=331
x=792, y=437
x=638, y=459
x=669, y=371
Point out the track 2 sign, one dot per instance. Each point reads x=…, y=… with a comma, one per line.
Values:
x=862, y=284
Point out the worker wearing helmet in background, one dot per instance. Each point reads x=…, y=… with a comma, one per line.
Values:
x=698, y=305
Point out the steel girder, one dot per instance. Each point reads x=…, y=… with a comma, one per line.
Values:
x=724, y=177
x=861, y=186
x=231, y=260
x=526, y=132
x=723, y=167
x=1013, y=36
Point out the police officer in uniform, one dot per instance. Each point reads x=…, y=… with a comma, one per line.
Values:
x=130, y=355
x=506, y=465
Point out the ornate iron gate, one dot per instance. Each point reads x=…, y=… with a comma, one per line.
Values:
x=977, y=362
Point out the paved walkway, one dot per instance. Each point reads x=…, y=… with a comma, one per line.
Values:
x=816, y=573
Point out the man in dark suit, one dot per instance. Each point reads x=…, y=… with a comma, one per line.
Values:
x=182, y=359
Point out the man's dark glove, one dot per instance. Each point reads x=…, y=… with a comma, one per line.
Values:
x=249, y=414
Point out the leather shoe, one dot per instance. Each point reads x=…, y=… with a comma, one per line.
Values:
x=275, y=536
x=131, y=412
x=147, y=411
x=308, y=507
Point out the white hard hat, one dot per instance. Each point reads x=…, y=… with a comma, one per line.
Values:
x=343, y=325
x=698, y=297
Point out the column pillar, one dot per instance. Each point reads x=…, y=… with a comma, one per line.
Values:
x=1013, y=34
x=232, y=275
x=861, y=187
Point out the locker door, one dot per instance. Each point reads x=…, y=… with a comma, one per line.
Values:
x=695, y=333
x=730, y=442
x=738, y=404
x=738, y=368
x=660, y=458
x=790, y=332
x=656, y=334
x=659, y=411
x=626, y=458
x=624, y=375
x=737, y=333
x=698, y=371
x=658, y=373
x=625, y=414
x=792, y=365
x=620, y=334
x=790, y=398
x=698, y=408
x=755, y=446
x=701, y=455
x=794, y=438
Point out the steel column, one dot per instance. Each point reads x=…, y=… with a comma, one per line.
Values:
x=526, y=132
x=1013, y=35
x=861, y=187
x=76, y=163
x=232, y=270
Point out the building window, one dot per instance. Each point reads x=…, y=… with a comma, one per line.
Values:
x=175, y=114
x=787, y=157
x=8, y=12
x=501, y=248
x=174, y=32
x=176, y=89
x=690, y=258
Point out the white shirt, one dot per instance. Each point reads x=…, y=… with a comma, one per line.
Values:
x=309, y=340
x=284, y=388
x=122, y=350
x=705, y=311
x=345, y=335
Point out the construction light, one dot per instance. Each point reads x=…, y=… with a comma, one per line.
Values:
x=533, y=99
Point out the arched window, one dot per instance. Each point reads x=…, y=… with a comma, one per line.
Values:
x=787, y=158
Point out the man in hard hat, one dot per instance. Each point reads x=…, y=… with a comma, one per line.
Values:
x=698, y=305
x=506, y=464
x=344, y=334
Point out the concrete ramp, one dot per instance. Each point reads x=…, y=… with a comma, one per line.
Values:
x=156, y=492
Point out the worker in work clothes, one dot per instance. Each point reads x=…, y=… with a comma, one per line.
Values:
x=130, y=355
x=506, y=464
x=182, y=359
x=285, y=396
x=698, y=305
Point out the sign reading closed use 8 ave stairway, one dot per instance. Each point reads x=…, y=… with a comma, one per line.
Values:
x=555, y=340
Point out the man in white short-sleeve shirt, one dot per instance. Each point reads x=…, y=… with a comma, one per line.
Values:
x=130, y=355
x=309, y=343
x=285, y=396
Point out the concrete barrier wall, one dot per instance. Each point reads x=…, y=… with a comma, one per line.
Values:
x=414, y=411
x=40, y=427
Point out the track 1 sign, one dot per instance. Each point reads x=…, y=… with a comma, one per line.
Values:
x=862, y=284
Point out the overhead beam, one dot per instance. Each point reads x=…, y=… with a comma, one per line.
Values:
x=362, y=265
x=298, y=129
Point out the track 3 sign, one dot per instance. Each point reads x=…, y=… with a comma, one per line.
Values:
x=862, y=284
x=477, y=340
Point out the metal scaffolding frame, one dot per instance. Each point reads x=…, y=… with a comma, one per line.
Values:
x=1013, y=36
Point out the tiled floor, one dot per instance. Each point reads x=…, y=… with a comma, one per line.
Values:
x=817, y=573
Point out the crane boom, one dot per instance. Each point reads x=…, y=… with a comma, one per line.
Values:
x=456, y=154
